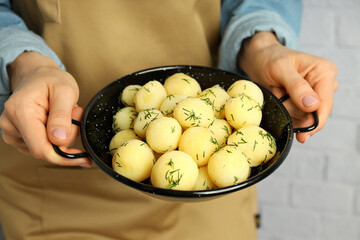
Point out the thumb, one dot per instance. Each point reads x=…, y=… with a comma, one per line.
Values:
x=62, y=102
x=300, y=91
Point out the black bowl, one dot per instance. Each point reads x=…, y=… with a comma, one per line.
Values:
x=96, y=129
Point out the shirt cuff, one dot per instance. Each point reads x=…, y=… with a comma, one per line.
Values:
x=13, y=42
x=244, y=26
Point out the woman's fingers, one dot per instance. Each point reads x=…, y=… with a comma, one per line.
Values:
x=42, y=104
x=8, y=127
x=39, y=146
x=299, y=89
x=62, y=99
x=309, y=80
x=299, y=118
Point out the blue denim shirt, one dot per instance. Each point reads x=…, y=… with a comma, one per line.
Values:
x=240, y=19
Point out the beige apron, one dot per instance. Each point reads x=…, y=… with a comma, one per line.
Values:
x=100, y=41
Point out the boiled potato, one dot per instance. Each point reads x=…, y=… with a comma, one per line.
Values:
x=216, y=96
x=221, y=129
x=247, y=87
x=128, y=94
x=134, y=160
x=242, y=110
x=175, y=170
x=228, y=166
x=199, y=143
x=192, y=112
x=258, y=144
x=170, y=102
x=149, y=96
x=124, y=119
x=119, y=138
x=163, y=134
x=204, y=182
x=182, y=84
x=143, y=120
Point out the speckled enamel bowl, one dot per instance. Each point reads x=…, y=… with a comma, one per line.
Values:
x=96, y=129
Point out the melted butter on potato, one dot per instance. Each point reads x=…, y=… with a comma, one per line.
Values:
x=228, y=166
x=163, y=134
x=175, y=170
x=134, y=159
x=246, y=87
x=199, y=143
x=192, y=112
x=182, y=84
x=258, y=144
x=149, y=96
x=242, y=110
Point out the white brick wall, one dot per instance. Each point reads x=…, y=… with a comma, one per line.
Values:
x=315, y=194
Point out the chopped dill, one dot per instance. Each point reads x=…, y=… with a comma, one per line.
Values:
x=233, y=144
x=235, y=179
x=214, y=141
x=239, y=132
x=225, y=128
x=191, y=115
x=186, y=80
x=170, y=96
x=171, y=163
x=208, y=101
x=221, y=109
x=242, y=141
x=173, y=180
x=134, y=89
x=255, y=143
x=212, y=93
x=113, y=149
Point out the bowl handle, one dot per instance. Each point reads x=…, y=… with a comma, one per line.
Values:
x=305, y=129
x=70, y=155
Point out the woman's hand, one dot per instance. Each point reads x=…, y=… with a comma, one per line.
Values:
x=309, y=80
x=39, y=111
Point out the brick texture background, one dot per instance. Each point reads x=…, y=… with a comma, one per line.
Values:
x=315, y=194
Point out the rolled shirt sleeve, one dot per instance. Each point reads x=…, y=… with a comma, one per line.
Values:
x=243, y=19
x=15, y=39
